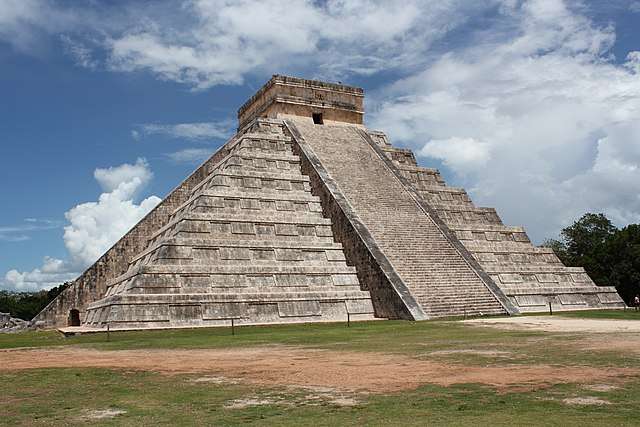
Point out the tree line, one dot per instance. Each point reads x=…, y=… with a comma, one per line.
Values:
x=610, y=255
x=25, y=305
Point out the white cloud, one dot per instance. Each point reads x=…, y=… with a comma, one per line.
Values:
x=634, y=6
x=194, y=131
x=464, y=154
x=219, y=42
x=190, y=155
x=130, y=177
x=23, y=22
x=20, y=233
x=203, y=43
x=52, y=273
x=533, y=117
x=93, y=226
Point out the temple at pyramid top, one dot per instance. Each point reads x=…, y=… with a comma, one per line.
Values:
x=284, y=97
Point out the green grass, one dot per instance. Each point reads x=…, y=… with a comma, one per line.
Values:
x=362, y=336
x=63, y=396
x=66, y=396
x=416, y=339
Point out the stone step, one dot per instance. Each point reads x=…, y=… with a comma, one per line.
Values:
x=262, y=194
x=282, y=175
x=496, y=246
x=251, y=215
x=328, y=268
x=500, y=228
x=202, y=222
x=204, y=298
x=532, y=289
x=247, y=154
x=208, y=204
x=176, y=248
x=414, y=245
x=530, y=269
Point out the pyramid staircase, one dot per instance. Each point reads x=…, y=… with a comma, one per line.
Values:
x=250, y=244
x=532, y=277
x=433, y=270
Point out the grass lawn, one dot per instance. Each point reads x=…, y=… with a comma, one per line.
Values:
x=73, y=396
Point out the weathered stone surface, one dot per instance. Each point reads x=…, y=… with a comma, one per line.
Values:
x=531, y=277
x=430, y=267
x=305, y=215
x=221, y=257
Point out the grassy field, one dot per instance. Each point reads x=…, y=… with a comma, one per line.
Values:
x=75, y=396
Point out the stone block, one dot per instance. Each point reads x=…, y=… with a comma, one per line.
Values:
x=299, y=308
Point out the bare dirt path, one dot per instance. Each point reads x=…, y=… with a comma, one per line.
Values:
x=289, y=366
x=560, y=324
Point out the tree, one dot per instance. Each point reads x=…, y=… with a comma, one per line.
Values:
x=585, y=241
x=25, y=305
x=622, y=255
x=610, y=256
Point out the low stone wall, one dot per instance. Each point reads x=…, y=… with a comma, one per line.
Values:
x=91, y=285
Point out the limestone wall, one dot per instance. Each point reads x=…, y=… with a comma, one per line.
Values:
x=91, y=285
x=283, y=95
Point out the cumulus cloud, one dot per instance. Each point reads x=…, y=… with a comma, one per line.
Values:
x=130, y=177
x=96, y=226
x=52, y=273
x=535, y=117
x=463, y=154
x=93, y=227
x=193, y=131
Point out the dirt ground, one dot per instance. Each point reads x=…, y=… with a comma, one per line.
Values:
x=560, y=324
x=290, y=366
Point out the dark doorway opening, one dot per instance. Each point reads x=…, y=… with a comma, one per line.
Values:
x=74, y=317
x=317, y=118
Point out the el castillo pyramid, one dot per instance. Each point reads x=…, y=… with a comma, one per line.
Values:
x=305, y=215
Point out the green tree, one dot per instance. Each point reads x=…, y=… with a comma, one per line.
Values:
x=585, y=242
x=25, y=305
x=610, y=256
x=622, y=256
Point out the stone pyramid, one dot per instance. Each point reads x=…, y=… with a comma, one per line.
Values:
x=305, y=215
x=250, y=243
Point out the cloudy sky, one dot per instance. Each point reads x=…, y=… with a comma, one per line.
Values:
x=533, y=106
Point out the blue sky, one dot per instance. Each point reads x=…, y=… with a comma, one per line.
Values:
x=533, y=106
